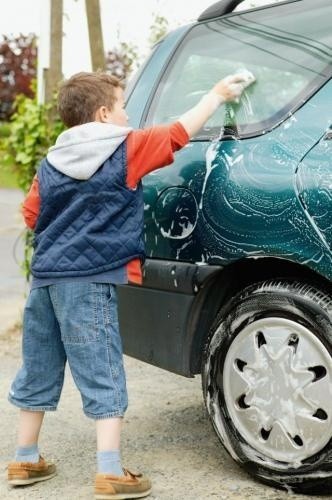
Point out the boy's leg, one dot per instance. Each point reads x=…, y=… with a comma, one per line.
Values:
x=90, y=333
x=108, y=433
x=108, y=446
x=37, y=386
x=29, y=427
x=91, y=337
x=27, y=440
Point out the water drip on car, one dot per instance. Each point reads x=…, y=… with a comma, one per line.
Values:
x=228, y=131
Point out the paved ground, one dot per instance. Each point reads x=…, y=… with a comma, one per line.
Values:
x=166, y=433
x=12, y=284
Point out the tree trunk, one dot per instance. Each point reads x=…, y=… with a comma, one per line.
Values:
x=54, y=73
x=95, y=34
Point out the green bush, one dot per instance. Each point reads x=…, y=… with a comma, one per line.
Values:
x=33, y=129
x=4, y=130
x=8, y=177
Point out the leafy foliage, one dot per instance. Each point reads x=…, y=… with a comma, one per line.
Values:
x=18, y=58
x=121, y=61
x=158, y=29
x=34, y=128
x=32, y=133
x=4, y=130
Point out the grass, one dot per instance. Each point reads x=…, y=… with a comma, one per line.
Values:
x=8, y=178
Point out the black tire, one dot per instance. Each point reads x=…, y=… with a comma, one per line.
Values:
x=270, y=302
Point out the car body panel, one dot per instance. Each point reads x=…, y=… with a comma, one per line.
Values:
x=250, y=206
x=314, y=187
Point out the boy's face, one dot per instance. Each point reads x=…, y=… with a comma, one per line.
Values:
x=117, y=115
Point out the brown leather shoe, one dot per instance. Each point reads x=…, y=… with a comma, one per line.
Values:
x=22, y=473
x=130, y=485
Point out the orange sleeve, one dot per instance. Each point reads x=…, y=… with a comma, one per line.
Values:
x=134, y=272
x=31, y=205
x=148, y=150
x=152, y=148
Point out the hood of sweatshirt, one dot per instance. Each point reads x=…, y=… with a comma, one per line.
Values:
x=80, y=151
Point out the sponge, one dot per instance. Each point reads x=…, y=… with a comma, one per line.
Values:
x=247, y=77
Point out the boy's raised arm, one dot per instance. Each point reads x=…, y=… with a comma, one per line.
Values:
x=153, y=148
x=226, y=90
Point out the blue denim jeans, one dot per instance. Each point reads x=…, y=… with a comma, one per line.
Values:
x=77, y=322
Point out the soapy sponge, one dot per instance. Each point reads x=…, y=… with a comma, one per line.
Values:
x=247, y=78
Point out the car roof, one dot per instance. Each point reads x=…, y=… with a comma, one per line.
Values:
x=224, y=7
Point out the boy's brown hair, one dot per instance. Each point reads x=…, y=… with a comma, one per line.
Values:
x=83, y=93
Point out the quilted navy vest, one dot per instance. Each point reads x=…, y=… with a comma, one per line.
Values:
x=87, y=227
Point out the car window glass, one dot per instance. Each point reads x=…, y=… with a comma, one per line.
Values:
x=288, y=48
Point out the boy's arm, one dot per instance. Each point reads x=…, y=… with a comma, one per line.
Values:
x=154, y=147
x=226, y=90
x=31, y=205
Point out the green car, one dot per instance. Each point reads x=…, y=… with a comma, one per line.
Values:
x=238, y=231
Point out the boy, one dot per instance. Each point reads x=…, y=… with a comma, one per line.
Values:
x=86, y=209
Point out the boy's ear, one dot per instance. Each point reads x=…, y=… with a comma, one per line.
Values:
x=102, y=114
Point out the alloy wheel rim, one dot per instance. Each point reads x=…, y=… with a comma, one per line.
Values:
x=277, y=387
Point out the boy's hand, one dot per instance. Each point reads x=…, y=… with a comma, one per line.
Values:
x=230, y=88
x=227, y=90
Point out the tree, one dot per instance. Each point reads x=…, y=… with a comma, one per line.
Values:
x=95, y=34
x=158, y=29
x=121, y=61
x=54, y=73
x=18, y=60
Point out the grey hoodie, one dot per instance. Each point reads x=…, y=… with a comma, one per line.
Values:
x=81, y=150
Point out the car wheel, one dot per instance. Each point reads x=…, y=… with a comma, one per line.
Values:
x=267, y=384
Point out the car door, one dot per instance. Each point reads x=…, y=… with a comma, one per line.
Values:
x=314, y=185
x=231, y=192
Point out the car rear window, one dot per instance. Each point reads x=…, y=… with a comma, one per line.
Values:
x=288, y=48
